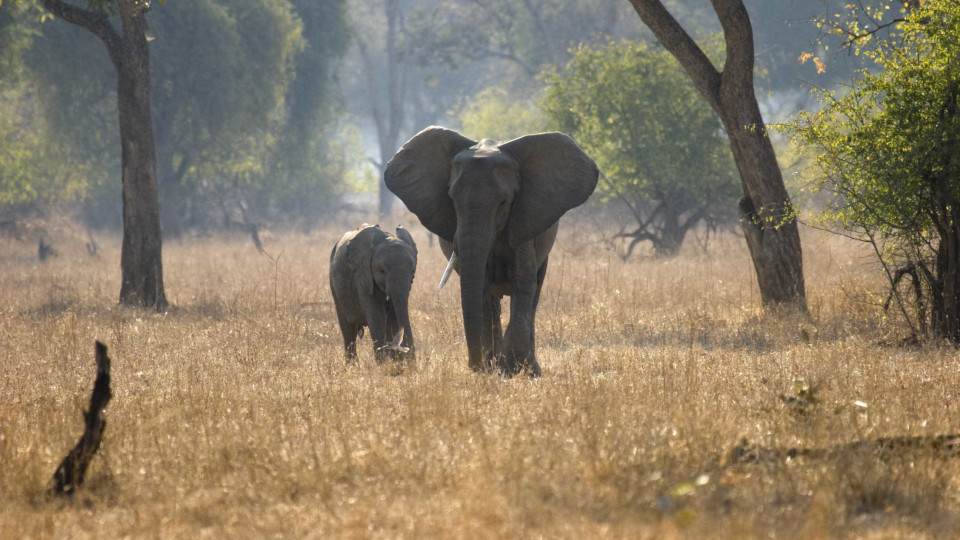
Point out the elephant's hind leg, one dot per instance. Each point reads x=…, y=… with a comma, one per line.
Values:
x=350, y=332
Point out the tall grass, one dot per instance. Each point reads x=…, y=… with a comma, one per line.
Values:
x=235, y=415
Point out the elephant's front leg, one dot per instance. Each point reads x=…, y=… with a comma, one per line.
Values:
x=492, y=336
x=518, y=339
x=532, y=361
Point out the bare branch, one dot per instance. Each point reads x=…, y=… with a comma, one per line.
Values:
x=70, y=473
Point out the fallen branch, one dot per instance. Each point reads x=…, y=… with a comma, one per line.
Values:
x=70, y=473
x=947, y=446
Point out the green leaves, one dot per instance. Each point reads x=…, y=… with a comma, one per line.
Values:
x=240, y=93
x=888, y=148
x=656, y=140
x=497, y=114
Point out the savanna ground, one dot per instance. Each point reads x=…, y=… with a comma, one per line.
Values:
x=234, y=414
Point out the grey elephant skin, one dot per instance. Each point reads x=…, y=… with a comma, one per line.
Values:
x=495, y=206
x=371, y=273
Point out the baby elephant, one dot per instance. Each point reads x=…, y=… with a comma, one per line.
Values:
x=371, y=272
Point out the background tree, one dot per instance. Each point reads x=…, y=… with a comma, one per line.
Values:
x=140, y=258
x=889, y=149
x=222, y=72
x=659, y=146
x=496, y=114
x=317, y=152
x=767, y=215
x=34, y=175
x=386, y=78
x=243, y=102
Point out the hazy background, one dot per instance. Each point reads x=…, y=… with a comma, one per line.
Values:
x=276, y=112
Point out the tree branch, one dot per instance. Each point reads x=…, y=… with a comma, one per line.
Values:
x=683, y=47
x=96, y=23
x=738, y=35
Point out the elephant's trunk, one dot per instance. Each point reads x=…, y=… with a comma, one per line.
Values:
x=399, y=294
x=473, y=251
x=403, y=318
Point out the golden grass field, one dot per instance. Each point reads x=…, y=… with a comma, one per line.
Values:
x=234, y=414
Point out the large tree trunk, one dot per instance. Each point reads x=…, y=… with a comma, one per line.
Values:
x=140, y=258
x=141, y=268
x=767, y=216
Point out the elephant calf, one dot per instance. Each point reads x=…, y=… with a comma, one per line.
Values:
x=371, y=272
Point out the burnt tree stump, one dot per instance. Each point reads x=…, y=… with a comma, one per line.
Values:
x=70, y=473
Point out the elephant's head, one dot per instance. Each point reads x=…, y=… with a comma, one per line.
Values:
x=459, y=188
x=393, y=263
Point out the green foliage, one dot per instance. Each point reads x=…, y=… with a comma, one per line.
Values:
x=15, y=38
x=660, y=147
x=495, y=114
x=220, y=73
x=889, y=149
x=240, y=95
x=31, y=171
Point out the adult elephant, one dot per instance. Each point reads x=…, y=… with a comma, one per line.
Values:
x=495, y=207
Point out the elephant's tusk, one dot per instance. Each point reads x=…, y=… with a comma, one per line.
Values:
x=446, y=273
x=395, y=344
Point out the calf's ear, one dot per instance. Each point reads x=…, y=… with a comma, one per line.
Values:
x=404, y=235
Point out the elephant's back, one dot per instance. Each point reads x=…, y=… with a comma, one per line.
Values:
x=341, y=281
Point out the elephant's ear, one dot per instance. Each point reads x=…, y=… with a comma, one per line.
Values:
x=555, y=176
x=419, y=174
x=404, y=235
x=360, y=254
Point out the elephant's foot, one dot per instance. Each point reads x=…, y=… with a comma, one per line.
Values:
x=508, y=369
x=380, y=353
x=518, y=355
x=486, y=364
x=533, y=369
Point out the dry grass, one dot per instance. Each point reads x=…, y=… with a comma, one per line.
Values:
x=234, y=414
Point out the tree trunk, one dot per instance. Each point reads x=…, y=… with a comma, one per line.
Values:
x=389, y=121
x=766, y=212
x=770, y=228
x=140, y=258
x=140, y=263
x=385, y=199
